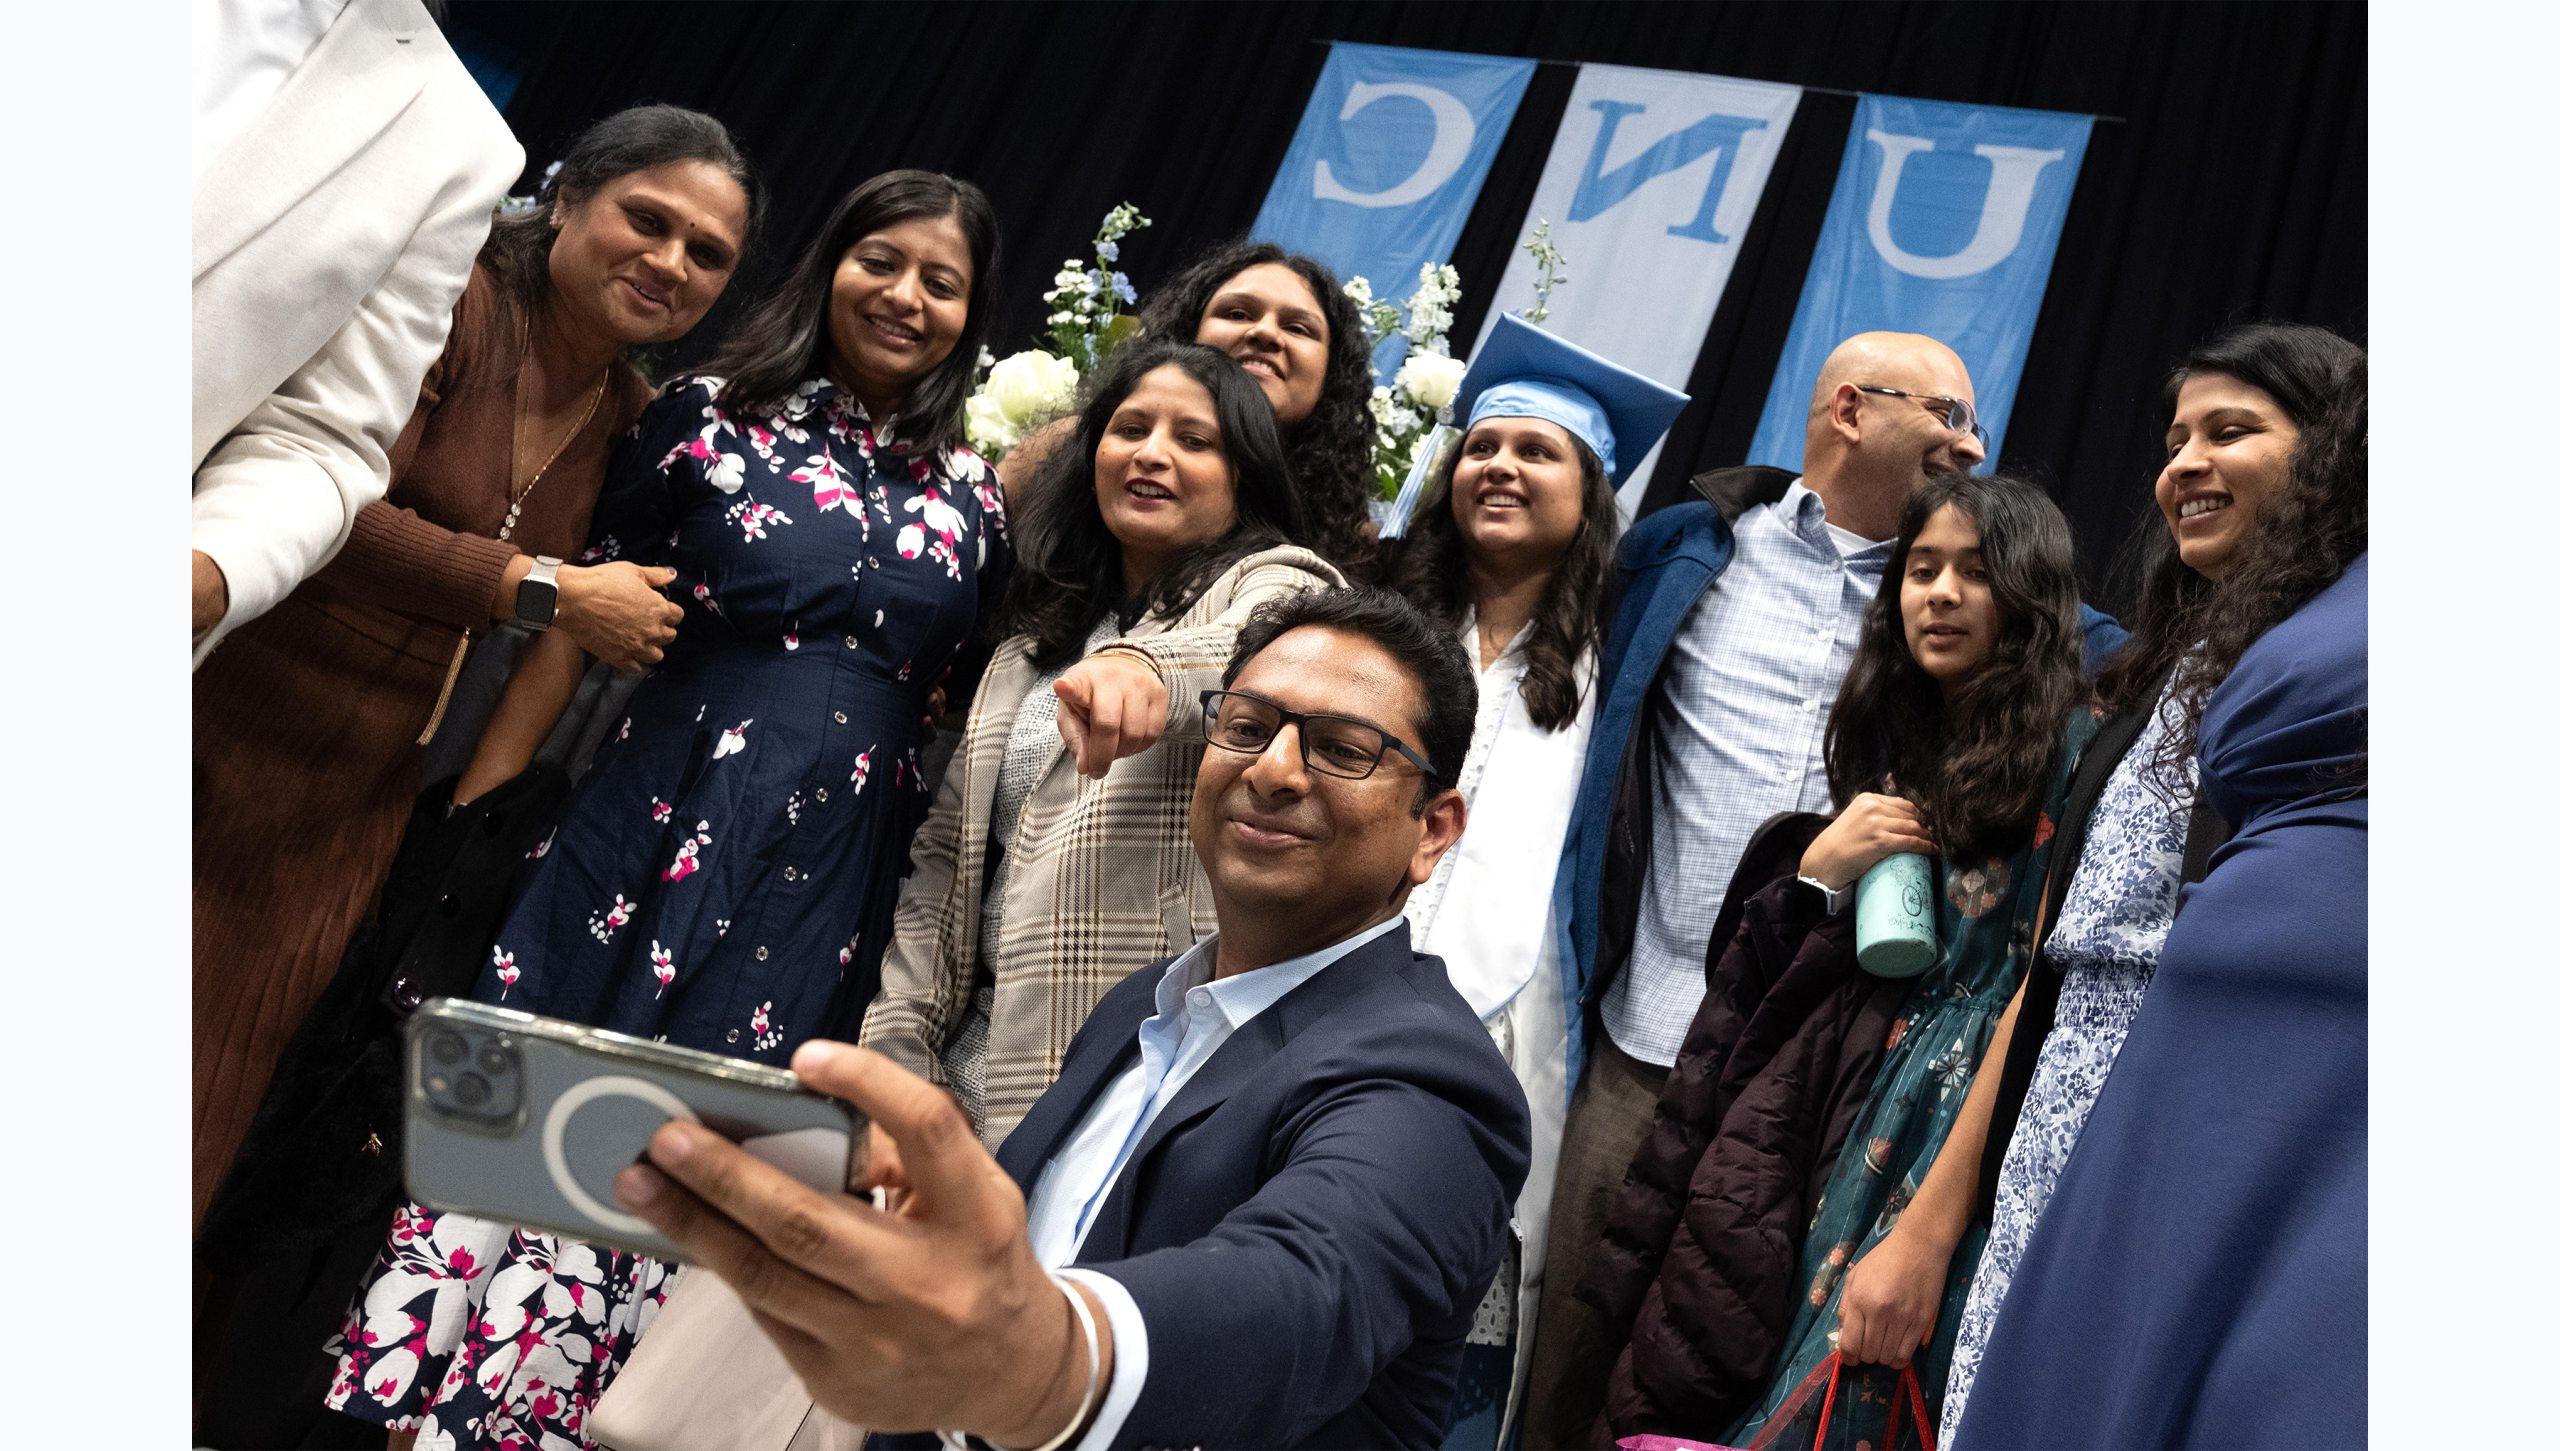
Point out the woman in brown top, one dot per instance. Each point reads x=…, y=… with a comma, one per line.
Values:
x=309, y=721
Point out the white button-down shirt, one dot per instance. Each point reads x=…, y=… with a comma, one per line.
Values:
x=1195, y=1016
x=1749, y=682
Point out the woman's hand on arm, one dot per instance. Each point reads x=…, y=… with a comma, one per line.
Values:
x=614, y=612
x=1870, y=828
x=544, y=681
x=1891, y=1298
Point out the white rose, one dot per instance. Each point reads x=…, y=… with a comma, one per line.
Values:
x=990, y=431
x=1430, y=379
x=1033, y=387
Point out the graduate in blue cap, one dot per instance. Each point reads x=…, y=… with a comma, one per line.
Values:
x=1511, y=547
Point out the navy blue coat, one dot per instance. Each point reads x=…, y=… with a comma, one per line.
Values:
x=1665, y=564
x=2198, y=1278
x=1308, y=1226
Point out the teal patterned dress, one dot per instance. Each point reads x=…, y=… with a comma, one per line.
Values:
x=1986, y=927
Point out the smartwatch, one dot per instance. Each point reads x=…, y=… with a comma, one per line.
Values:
x=1832, y=901
x=538, y=596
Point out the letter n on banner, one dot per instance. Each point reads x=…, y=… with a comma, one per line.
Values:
x=1943, y=222
x=1649, y=189
x=1388, y=159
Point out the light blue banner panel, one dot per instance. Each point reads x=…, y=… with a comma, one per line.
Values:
x=1649, y=190
x=1388, y=159
x=1943, y=222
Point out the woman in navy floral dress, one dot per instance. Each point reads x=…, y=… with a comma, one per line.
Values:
x=725, y=876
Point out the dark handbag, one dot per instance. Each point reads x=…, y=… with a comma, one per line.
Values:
x=322, y=1156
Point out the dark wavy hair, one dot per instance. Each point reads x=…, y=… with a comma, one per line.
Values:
x=784, y=342
x=1067, y=564
x=1430, y=569
x=2306, y=533
x=518, y=251
x=1329, y=450
x=1979, y=773
x=1440, y=668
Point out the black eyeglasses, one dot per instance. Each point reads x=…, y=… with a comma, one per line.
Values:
x=1959, y=415
x=1335, y=745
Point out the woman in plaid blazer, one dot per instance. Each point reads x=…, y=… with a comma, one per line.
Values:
x=1057, y=859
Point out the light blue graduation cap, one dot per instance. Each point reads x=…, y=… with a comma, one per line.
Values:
x=1524, y=371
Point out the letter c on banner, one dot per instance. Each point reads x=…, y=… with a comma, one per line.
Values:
x=1996, y=231
x=1453, y=133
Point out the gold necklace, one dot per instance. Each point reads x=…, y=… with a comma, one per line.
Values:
x=524, y=354
x=515, y=505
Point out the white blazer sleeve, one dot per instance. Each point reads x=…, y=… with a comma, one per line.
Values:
x=277, y=497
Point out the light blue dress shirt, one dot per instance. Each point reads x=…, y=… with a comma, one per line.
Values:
x=1749, y=685
x=1194, y=1017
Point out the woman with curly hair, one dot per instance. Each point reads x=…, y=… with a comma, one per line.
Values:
x=1954, y=737
x=1286, y=320
x=2202, y=1268
x=1510, y=550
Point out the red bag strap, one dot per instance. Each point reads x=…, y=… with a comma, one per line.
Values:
x=1826, y=1371
x=1907, y=1387
x=1822, y=1428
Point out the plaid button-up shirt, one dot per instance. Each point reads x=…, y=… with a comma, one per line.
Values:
x=1748, y=690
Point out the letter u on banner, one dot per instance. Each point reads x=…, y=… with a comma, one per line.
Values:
x=1943, y=221
x=1388, y=159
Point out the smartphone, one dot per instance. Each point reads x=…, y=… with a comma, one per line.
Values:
x=526, y=1120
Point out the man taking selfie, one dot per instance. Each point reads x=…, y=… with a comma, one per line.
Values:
x=1275, y=1174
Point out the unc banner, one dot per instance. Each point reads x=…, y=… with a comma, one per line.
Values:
x=1943, y=222
x=1387, y=161
x=1648, y=190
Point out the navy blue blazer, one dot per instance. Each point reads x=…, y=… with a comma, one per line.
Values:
x=1308, y=1226
x=1665, y=564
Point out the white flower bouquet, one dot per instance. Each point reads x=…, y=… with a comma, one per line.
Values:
x=1087, y=323
x=1408, y=408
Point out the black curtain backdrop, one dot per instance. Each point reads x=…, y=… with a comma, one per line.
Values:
x=2224, y=182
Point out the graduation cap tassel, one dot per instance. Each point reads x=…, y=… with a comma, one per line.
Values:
x=1409, y=493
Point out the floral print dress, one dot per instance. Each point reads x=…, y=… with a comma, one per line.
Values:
x=2106, y=938
x=725, y=876
x=1986, y=931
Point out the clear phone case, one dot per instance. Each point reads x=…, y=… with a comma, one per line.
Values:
x=527, y=1120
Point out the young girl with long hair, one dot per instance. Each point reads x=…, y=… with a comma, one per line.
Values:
x=1512, y=550
x=1955, y=733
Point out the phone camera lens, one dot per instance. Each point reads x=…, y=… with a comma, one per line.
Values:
x=494, y=1060
x=447, y=1047
x=470, y=1090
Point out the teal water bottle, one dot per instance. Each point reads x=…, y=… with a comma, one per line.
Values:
x=1897, y=920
